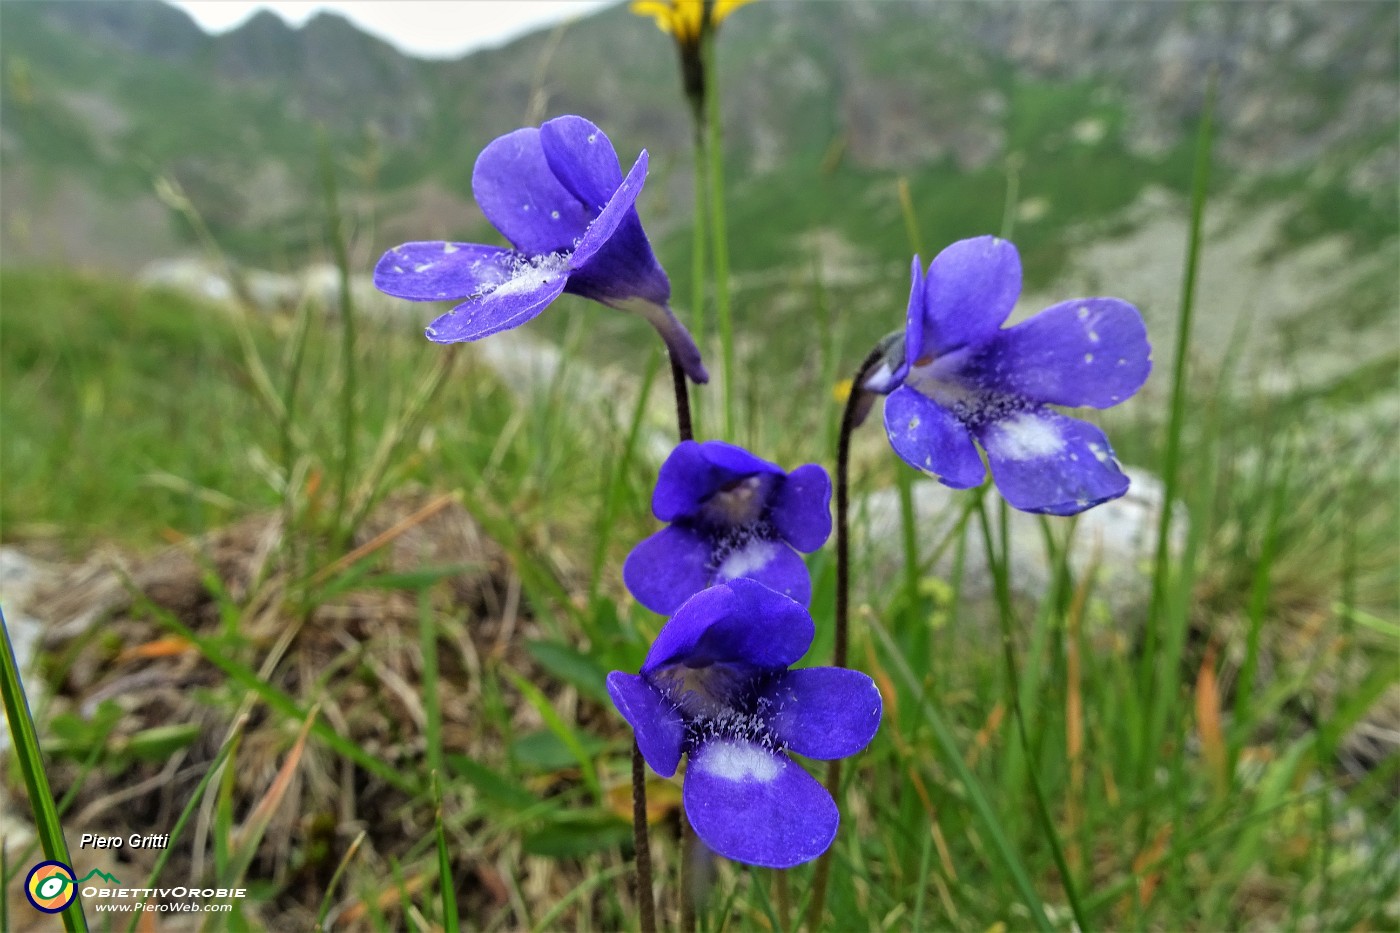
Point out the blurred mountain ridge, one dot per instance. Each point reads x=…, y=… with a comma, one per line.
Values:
x=823, y=102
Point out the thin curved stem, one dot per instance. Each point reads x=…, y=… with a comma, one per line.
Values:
x=850, y=420
x=683, y=425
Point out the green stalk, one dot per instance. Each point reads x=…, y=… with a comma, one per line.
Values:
x=697, y=244
x=715, y=160
x=432, y=709
x=24, y=738
x=617, y=479
x=1002, y=580
x=953, y=757
x=451, y=921
x=1165, y=686
x=336, y=236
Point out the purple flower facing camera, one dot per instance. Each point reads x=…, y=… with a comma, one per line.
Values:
x=964, y=377
x=732, y=516
x=716, y=687
x=557, y=193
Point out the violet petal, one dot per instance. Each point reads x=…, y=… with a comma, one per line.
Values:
x=929, y=438
x=801, y=509
x=741, y=622
x=823, y=712
x=695, y=471
x=970, y=290
x=516, y=190
x=1092, y=351
x=666, y=569
x=622, y=266
x=439, y=271
x=530, y=289
x=583, y=159
x=913, y=325
x=1043, y=461
x=757, y=806
x=772, y=563
x=658, y=725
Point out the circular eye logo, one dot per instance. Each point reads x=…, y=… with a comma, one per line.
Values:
x=50, y=887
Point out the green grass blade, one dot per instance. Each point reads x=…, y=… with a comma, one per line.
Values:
x=24, y=738
x=720, y=236
x=235, y=733
x=981, y=806
x=617, y=478
x=1165, y=687
x=561, y=730
x=999, y=564
x=451, y=922
x=336, y=236
x=427, y=645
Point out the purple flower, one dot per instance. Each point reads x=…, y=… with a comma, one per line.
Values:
x=732, y=515
x=963, y=377
x=558, y=195
x=716, y=686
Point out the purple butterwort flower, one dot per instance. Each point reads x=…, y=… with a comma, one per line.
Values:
x=963, y=376
x=732, y=515
x=716, y=686
x=557, y=193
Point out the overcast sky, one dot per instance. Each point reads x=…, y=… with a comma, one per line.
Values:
x=426, y=28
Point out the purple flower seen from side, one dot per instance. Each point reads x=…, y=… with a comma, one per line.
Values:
x=732, y=515
x=557, y=193
x=964, y=377
x=716, y=687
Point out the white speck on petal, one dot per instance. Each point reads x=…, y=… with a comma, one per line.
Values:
x=554, y=214
x=593, y=137
x=524, y=207
x=528, y=276
x=1122, y=362
x=398, y=269
x=1100, y=454
x=423, y=266
x=1093, y=336
x=1083, y=313
x=1025, y=437
x=449, y=248
x=914, y=423
x=1088, y=357
x=745, y=561
x=738, y=761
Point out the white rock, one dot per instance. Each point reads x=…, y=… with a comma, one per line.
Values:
x=1116, y=541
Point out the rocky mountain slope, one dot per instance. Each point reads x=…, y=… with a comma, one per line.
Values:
x=102, y=98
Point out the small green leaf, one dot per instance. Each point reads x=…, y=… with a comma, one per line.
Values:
x=543, y=751
x=572, y=667
x=493, y=786
x=578, y=835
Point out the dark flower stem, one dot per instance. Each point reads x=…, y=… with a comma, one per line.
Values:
x=683, y=427
x=641, y=834
x=687, y=874
x=850, y=420
x=641, y=839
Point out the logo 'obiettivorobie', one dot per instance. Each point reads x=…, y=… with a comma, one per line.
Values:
x=51, y=886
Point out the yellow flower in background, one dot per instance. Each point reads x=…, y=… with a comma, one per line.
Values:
x=686, y=19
